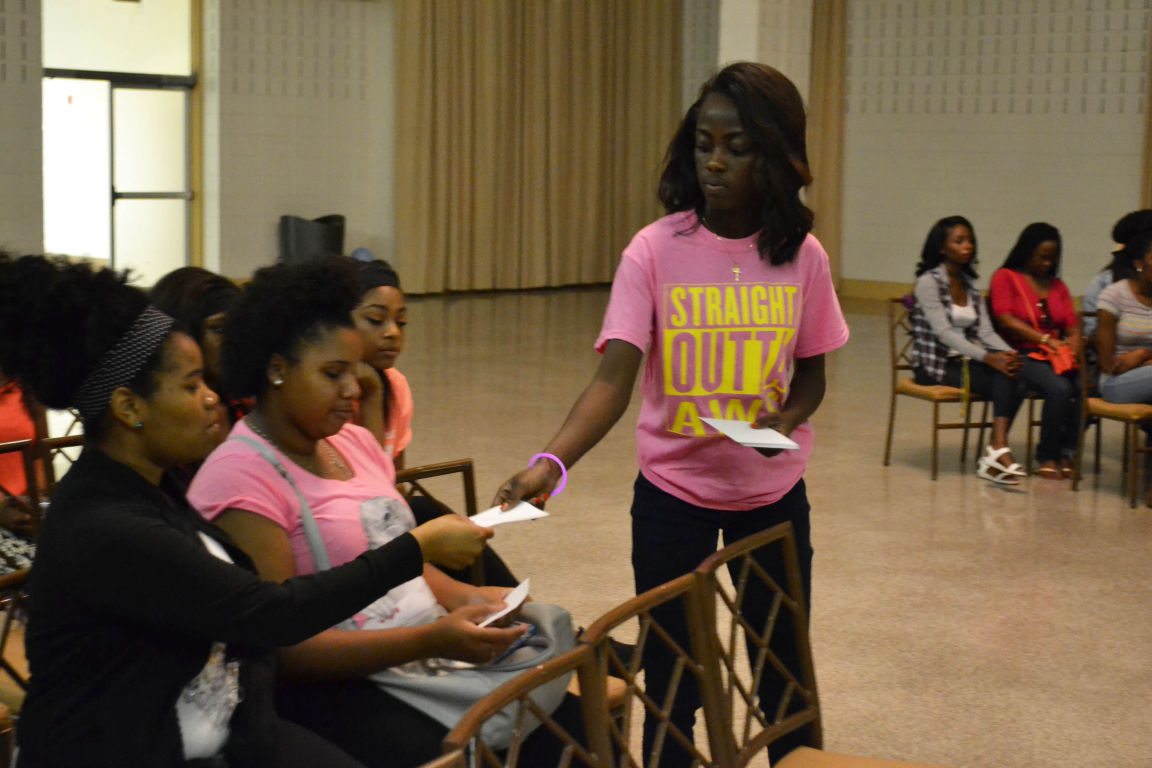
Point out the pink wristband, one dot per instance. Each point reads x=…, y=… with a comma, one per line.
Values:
x=563, y=470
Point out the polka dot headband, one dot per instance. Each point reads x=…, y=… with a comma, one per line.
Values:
x=121, y=363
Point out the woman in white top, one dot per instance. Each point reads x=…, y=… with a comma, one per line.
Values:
x=953, y=340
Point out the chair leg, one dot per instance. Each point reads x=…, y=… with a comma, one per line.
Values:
x=1079, y=458
x=1028, y=439
x=935, y=436
x=1131, y=459
x=1096, y=460
x=964, y=442
x=891, y=422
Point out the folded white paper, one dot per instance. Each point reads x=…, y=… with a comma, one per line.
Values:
x=517, y=514
x=512, y=601
x=743, y=433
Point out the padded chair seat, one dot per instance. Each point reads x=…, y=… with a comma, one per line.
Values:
x=1130, y=412
x=939, y=393
x=806, y=757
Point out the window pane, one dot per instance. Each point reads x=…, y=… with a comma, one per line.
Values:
x=151, y=238
x=149, y=150
x=77, y=186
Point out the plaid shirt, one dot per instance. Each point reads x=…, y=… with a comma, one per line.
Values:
x=928, y=352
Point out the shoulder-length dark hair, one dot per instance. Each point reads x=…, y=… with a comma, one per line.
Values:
x=1135, y=249
x=933, y=251
x=192, y=295
x=772, y=114
x=1030, y=239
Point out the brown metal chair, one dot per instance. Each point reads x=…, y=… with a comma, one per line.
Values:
x=38, y=457
x=630, y=703
x=746, y=615
x=1134, y=416
x=584, y=746
x=412, y=476
x=900, y=346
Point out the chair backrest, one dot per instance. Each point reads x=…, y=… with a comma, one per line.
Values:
x=761, y=621
x=464, y=467
x=581, y=744
x=697, y=662
x=899, y=336
x=38, y=457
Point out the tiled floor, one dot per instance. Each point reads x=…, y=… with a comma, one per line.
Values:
x=953, y=622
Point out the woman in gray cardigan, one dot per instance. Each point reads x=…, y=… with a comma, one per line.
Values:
x=954, y=343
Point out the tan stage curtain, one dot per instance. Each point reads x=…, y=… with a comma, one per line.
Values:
x=529, y=136
x=1146, y=180
x=826, y=123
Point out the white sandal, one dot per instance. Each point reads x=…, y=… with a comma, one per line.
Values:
x=994, y=472
x=990, y=468
x=992, y=459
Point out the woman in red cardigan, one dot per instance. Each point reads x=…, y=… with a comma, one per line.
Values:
x=1034, y=310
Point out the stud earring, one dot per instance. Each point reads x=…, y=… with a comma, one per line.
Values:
x=138, y=426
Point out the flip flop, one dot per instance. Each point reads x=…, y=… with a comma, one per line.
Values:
x=995, y=473
x=1050, y=473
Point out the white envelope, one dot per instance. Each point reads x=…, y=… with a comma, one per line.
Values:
x=512, y=601
x=517, y=514
x=742, y=432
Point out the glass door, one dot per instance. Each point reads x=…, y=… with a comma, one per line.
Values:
x=117, y=169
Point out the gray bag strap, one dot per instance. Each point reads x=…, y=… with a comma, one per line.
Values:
x=311, y=531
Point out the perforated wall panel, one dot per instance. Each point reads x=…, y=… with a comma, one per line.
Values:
x=21, y=190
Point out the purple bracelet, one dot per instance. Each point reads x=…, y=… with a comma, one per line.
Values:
x=563, y=470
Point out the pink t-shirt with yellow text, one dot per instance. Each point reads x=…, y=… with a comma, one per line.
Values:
x=721, y=329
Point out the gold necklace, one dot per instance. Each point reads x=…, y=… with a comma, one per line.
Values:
x=333, y=457
x=736, y=271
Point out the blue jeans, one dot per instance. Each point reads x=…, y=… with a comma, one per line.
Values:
x=670, y=537
x=1134, y=386
x=1060, y=416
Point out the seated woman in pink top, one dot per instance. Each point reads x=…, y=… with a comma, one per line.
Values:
x=385, y=407
x=385, y=397
x=290, y=342
x=1034, y=309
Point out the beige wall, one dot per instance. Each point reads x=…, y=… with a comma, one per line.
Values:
x=1027, y=111
x=298, y=120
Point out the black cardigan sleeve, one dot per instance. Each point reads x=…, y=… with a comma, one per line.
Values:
x=144, y=569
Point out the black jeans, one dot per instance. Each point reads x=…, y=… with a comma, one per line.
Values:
x=670, y=537
x=1059, y=419
x=1005, y=393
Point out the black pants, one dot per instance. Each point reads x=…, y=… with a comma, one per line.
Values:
x=670, y=538
x=1005, y=393
x=295, y=747
x=496, y=571
x=381, y=731
x=1059, y=419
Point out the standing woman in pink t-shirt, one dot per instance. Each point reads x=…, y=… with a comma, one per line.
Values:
x=728, y=302
x=1034, y=310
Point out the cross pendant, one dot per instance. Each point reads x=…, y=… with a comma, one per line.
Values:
x=736, y=271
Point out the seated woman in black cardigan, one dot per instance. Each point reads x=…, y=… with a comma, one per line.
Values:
x=147, y=635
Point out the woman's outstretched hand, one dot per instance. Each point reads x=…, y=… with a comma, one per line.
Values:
x=534, y=484
x=451, y=541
